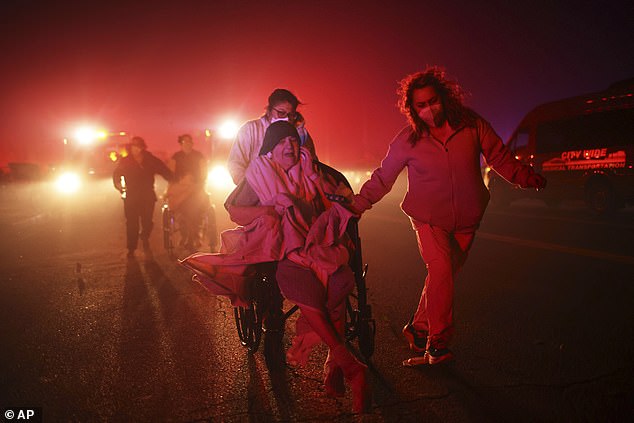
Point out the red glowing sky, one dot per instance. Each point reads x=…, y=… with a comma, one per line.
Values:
x=161, y=70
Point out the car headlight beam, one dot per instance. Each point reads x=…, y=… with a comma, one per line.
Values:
x=68, y=183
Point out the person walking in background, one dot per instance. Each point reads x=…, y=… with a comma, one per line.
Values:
x=134, y=179
x=282, y=105
x=446, y=196
x=187, y=196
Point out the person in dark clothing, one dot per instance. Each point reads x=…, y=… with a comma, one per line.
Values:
x=134, y=179
x=188, y=198
x=188, y=163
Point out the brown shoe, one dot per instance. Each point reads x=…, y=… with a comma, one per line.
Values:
x=438, y=355
x=416, y=339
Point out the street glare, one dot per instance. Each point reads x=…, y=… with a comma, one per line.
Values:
x=218, y=178
x=86, y=135
x=228, y=129
x=68, y=183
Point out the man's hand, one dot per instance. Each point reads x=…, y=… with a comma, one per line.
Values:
x=536, y=181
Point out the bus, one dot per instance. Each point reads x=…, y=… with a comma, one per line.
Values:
x=583, y=145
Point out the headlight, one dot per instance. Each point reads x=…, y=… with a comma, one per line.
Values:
x=68, y=183
x=219, y=178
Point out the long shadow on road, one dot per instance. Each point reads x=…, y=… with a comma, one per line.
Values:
x=166, y=354
x=138, y=349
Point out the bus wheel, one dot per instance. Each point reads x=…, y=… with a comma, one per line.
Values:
x=600, y=197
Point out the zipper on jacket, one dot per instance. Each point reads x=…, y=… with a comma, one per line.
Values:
x=453, y=188
x=451, y=175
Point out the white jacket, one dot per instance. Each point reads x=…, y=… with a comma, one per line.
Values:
x=248, y=142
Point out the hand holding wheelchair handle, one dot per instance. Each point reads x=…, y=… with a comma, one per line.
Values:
x=359, y=204
x=536, y=181
x=348, y=202
x=336, y=198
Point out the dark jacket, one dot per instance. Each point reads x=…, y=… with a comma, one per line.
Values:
x=139, y=177
x=189, y=164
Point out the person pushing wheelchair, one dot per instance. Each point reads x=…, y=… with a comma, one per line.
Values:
x=186, y=196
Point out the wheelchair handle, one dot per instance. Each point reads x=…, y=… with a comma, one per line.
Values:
x=338, y=198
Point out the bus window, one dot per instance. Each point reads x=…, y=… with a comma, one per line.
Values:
x=608, y=129
x=551, y=137
x=520, y=140
x=600, y=129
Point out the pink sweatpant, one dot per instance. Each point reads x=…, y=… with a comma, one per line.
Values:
x=444, y=253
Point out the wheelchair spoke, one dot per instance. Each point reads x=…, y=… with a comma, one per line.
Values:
x=249, y=327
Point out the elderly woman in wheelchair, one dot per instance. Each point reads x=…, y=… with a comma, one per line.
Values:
x=287, y=218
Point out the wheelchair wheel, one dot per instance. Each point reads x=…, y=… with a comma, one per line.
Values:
x=359, y=321
x=249, y=325
x=360, y=325
x=366, y=330
x=168, y=229
x=250, y=319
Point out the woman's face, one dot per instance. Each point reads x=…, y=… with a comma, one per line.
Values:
x=281, y=111
x=286, y=152
x=428, y=106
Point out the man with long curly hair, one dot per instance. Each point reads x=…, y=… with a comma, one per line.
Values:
x=446, y=195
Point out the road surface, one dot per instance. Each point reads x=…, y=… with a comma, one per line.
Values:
x=543, y=309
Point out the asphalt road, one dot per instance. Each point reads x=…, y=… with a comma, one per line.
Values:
x=543, y=309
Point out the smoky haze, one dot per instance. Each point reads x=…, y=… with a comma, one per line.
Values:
x=159, y=70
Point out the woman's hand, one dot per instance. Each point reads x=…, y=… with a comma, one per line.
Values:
x=536, y=181
x=359, y=205
x=306, y=160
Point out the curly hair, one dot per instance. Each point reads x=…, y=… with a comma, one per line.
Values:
x=451, y=96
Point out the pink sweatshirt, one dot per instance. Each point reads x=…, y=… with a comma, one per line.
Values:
x=445, y=186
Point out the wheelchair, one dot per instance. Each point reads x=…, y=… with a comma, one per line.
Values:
x=173, y=227
x=359, y=323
